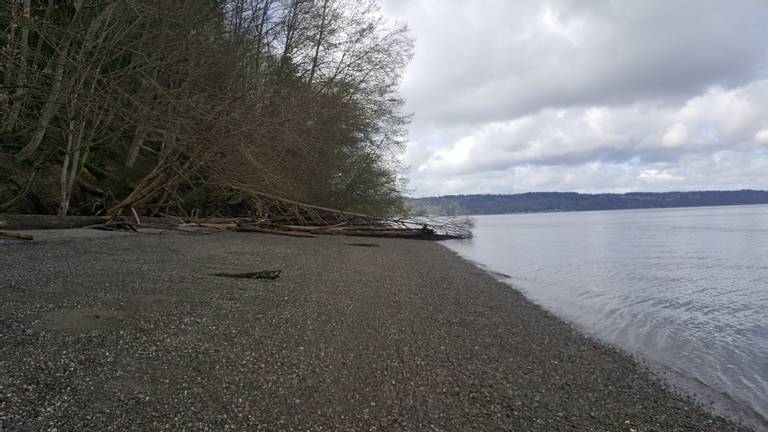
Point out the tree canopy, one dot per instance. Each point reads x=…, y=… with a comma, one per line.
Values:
x=193, y=106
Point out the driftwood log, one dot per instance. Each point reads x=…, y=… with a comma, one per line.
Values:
x=17, y=235
x=19, y=222
x=273, y=231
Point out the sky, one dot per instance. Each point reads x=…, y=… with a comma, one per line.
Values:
x=591, y=96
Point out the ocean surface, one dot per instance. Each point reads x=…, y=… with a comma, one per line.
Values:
x=685, y=290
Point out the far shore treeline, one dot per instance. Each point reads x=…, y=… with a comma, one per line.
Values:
x=452, y=205
x=191, y=106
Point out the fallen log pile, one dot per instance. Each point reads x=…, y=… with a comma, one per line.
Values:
x=413, y=229
x=270, y=215
x=392, y=229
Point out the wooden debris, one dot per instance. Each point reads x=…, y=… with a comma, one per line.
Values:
x=265, y=274
x=290, y=233
x=271, y=214
x=370, y=228
x=268, y=214
x=136, y=216
x=25, y=222
x=114, y=226
x=17, y=235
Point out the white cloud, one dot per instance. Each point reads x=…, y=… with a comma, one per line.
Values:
x=485, y=61
x=653, y=175
x=762, y=137
x=568, y=144
x=676, y=136
x=586, y=95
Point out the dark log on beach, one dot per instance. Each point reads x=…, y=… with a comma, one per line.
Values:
x=18, y=235
x=393, y=233
x=17, y=222
x=213, y=226
x=249, y=228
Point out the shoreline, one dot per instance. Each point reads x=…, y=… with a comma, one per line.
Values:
x=114, y=331
x=676, y=381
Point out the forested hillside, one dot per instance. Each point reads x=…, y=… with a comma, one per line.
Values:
x=571, y=201
x=197, y=106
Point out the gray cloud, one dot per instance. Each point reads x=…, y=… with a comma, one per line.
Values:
x=511, y=95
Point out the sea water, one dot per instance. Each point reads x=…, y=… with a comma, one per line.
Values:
x=684, y=289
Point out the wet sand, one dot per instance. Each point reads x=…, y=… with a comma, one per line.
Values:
x=110, y=331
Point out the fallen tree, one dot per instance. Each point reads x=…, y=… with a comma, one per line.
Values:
x=413, y=229
x=268, y=214
x=274, y=215
x=37, y=222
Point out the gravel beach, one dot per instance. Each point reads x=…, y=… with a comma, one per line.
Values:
x=105, y=331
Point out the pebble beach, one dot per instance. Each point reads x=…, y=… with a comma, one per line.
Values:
x=103, y=331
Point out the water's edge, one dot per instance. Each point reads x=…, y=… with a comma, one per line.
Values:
x=675, y=381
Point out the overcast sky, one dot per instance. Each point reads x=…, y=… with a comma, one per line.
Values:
x=586, y=95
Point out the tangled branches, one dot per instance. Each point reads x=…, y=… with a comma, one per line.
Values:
x=185, y=107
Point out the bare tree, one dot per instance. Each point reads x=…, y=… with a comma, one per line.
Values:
x=185, y=106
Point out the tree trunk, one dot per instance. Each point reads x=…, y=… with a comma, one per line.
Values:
x=49, y=111
x=290, y=30
x=319, y=42
x=63, y=196
x=70, y=168
x=135, y=148
x=10, y=46
x=21, y=79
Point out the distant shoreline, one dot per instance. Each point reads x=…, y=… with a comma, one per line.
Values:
x=618, y=210
x=561, y=202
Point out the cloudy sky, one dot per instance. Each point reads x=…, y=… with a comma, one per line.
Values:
x=586, y=95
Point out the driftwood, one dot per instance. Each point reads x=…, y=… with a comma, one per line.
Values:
x=384, y=229
x=273, y=231
x=275, y=215
x=356, y=226
x=269, y=215
x=264, y=274
x=292, y=216
x=18, y=222
x=114, y=226
x=17, y=235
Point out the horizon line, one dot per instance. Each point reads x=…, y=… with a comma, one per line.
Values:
x=587, y=193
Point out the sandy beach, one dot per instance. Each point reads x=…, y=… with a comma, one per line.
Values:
x=105, y=331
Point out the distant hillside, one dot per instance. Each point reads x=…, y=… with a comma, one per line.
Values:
x=570, y=201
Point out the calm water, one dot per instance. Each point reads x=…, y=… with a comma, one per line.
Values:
x=685, y=289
